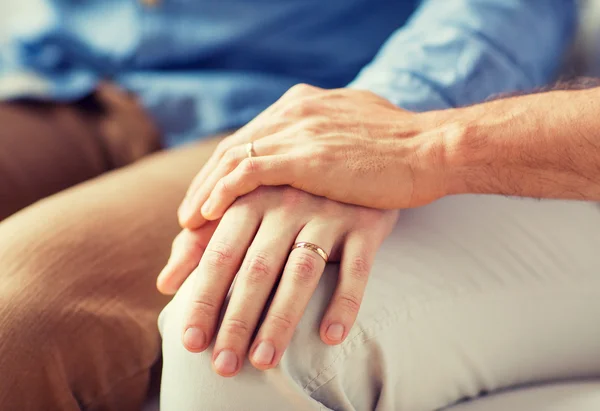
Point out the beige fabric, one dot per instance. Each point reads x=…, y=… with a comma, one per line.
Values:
x=469, y=294
x=573, y=396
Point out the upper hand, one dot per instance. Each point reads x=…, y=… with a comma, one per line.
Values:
x=252, y=245
x=347, y=145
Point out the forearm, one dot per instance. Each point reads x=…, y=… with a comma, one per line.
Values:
x=544, y=145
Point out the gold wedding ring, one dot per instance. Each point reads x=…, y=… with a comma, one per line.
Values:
x=250, y=149
x=312, y=247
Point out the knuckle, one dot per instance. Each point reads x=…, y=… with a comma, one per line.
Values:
x=297, y=108
x=249, y=205
x=236, y=326
x=359, y=269
x=249, y=166
x=303, y=107
x=187, y=239
x=350, y=303
x=313, y=126
x=230, y=158
x=219, y=254
x=264, y=192
x=366, y=217
x=222, y=147
x=280, y=322
x=292, y=198
x=204, y=309
x=301, y=89
x=322, y=154
x=225, y=185
x=178, y=241
x=259, y=268
x=246, y=203
x=186, y=247
x=304, y=268
x=339, y=210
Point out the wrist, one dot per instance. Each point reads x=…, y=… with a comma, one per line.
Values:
x=524, y=146
x=433, y=151
x=479, y=143
x=481, y=151
x=467, y=150
x=452, y=145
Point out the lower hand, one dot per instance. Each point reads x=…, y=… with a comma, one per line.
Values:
x=252, y=244
x=347, y=145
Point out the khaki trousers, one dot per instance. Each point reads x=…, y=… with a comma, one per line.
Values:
x=471, y=294
x=78, y=304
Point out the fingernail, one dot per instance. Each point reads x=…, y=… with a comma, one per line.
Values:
x=165, y=288
x=264, y=353
x=194, y=338
x=206, y=207
x=226, y=362
x=335, y=332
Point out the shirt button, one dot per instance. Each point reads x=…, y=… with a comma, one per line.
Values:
x=150, y=3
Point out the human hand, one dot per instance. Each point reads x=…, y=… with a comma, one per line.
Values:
x=347, y=145
x=252, y=245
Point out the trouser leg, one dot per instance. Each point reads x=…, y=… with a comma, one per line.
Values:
x=47, y=147
x=78, y=304
x=470, y=294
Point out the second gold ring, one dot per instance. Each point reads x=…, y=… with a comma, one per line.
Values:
x=312, y=247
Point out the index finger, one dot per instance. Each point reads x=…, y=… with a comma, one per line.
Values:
x=213, y=277
x=186, y=253
x=253, y=130
x=204, y=172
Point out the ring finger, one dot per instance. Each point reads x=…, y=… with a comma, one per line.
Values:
x=299, y=280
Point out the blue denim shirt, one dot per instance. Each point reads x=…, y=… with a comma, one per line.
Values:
x=204, y=66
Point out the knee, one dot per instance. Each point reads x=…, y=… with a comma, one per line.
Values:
x=189, y=381
x=29, y=298
x=30, y=358
x=40, y=314
x=32, y=304
x=35, y=308
x=310, y=375
x=61, y=346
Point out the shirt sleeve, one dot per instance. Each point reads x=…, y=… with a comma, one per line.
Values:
x=459, y=52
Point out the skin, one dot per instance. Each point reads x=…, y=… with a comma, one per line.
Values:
x=251, y=244
x=355, y=147
x=340, y=144
x=343, y=147
x=544, y=145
